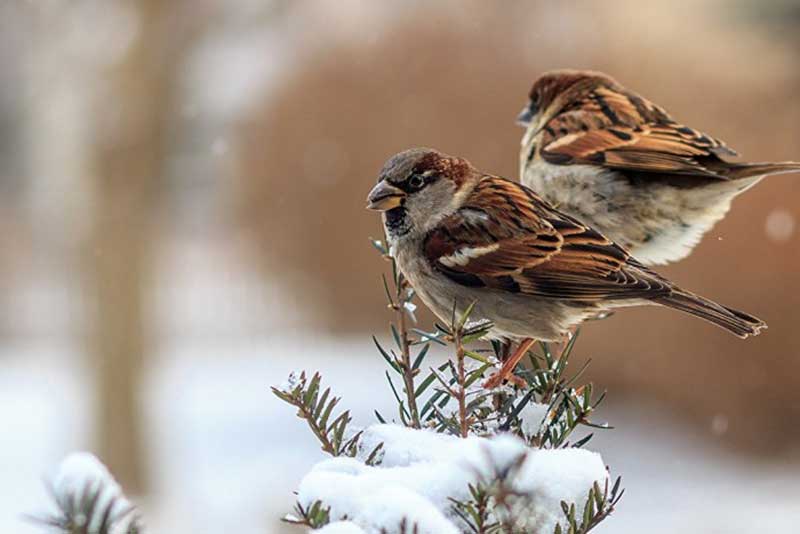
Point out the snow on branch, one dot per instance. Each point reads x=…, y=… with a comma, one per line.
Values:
x=89, y=500
x=423, y=474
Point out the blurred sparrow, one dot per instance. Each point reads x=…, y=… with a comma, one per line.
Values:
x=460, y=236
x=618, y=162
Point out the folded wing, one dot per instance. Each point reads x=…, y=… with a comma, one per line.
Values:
x=619, y=129
x=505, y=237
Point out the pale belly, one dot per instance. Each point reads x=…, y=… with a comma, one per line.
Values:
x=657, y=223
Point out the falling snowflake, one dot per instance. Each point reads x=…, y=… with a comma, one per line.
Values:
x=779, y=225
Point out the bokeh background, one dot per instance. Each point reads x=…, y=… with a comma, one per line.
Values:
x=182, y=222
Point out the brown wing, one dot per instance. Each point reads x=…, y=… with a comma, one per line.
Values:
x=618, y=129
x=505, y=237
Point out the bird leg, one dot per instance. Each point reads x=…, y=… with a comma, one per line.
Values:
x=507, y=370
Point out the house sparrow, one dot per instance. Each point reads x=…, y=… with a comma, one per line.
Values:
x=460, y=236
x=618, y=162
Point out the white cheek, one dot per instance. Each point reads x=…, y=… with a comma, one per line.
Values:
x=531, y=132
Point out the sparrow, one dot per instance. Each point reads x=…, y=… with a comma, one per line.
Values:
x=462, y=237
x=620, y=163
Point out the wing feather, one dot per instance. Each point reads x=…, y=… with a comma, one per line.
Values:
x=619, y=129
x=521, y=244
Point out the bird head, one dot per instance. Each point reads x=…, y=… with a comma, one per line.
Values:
x=555, y=90
x=417, y=188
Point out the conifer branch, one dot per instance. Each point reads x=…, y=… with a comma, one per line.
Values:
x=315, y=516
x=318, y=412
x=598, y=506
x=400, y=299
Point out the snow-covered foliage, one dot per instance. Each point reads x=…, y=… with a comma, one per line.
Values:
x=421, y=472
x=89, y=499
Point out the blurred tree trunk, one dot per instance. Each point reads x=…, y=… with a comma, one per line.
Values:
x=127, y=159
x=133, y=114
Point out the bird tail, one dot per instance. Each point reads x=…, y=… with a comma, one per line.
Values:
x=739, y=323
x=736, y=171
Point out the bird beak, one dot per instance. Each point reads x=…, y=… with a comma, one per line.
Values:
x=525, y=116
x=384, y=197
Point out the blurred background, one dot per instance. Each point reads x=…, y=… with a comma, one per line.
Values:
x=182, y=222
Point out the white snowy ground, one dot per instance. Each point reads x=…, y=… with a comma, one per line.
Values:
x=226, y=454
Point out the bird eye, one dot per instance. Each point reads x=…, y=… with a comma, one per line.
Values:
x=416, y=181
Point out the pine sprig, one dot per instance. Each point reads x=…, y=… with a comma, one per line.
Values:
x=400, y=299
x=315, y=516
x=548, y=383
x=476, y=513
x=404, y=527
x=457, y=384
x=316, y=407
x=599, y=504
x=496, y=505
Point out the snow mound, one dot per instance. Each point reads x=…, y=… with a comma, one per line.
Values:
x=421, y=471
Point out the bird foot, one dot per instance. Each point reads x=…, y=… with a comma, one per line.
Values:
x=506, y=372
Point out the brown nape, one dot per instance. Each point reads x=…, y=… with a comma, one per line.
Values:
x=554, y=83
x=456, y=169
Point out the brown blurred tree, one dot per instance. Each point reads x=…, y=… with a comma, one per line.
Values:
x=134, y=114
x=128, y=165
x=134, y=122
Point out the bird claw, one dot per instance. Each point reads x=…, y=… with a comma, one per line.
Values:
x=506, y=372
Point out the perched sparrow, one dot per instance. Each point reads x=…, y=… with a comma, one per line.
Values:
x=460, y=236
x=618, y=162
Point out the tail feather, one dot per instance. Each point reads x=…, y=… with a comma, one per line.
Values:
x=735, y=171
x=737, y=322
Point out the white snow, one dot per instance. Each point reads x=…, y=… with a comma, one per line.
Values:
x=422, y=470
x=410, y=308
x=532, y=415
x=340, y=527
x=552, y=476
x=291, y=382
x=82, y=471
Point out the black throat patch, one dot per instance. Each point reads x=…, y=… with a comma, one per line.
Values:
x=397, y=223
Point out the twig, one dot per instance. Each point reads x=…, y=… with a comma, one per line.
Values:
x=461, y=391
x=316, y=407
x=405, y=352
